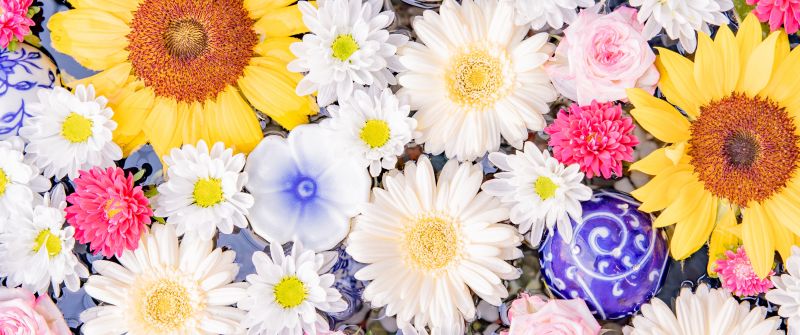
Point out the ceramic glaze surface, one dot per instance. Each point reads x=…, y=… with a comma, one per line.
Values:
x=22, y=73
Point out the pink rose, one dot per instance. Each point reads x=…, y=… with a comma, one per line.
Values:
x=21, y=313
x=531, y=315
x=601, y=56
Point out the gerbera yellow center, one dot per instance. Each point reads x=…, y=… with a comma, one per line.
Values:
x=3, y=182
x=744, y=148
x=432, y=241
x=111, y=209
x=76, y=128
x=208, y=192
x=290, y=292
x=167, y=305
x=475, y=79
x=185, y=38
x=375, y=133
x=49, y=241
x=344, y=46
x=545, y=187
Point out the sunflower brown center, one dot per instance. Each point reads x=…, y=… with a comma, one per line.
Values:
x=190, y=50
x=744, y=149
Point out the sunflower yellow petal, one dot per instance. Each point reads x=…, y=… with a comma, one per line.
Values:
x=95, y=38
x=131, y=112
x=281, y=22
x=677, y=82
x=692, y=232
x=658, y=117
x=685, y=203
x=235, y=121
x=134, y=144
x=725, y=43
x=721, y=238
x=662, y=190
x=785, y=210
x=758, y=240
x=107, y=83
x=748, y=37
x=709, y=69
x=161, y=126
x=122, y=9
x=278, y=48
x=785, y=82
x=784, y=238
x=758, y=70
x=654, y=163
x=259, y=8
x=782, y=49
x=271, y=89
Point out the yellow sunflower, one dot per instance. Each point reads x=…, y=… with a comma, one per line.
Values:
x=177, y=71
x=735, y=151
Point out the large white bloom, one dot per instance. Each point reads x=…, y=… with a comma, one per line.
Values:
x=475, y=78
x=681, y=19
x=287, y=290
x=348, y=45
x=166, y=287
x=554, y=13
x=542, y=191
x=704, y=312
x=18, y=179
x=203, y=190
x=373, y=126
x=427, y=244
x=70, y=132
x=787, y=292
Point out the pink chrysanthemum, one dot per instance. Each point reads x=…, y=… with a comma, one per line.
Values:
x=597, y=137
x=737, y=275
x=107, y=211
x=14, y=21
x=778, y=13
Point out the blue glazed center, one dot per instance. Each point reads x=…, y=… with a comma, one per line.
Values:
x=305, y=188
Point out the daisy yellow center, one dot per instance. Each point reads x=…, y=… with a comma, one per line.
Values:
x=208, y=192
x=375, y=133
x=744, y=148
x=49, y=241
x=475, y=80
x=111, y=209
x=76, y=128
x=167, y=306
x=290, y=292
x=185, y=39
x=344, y=46
x=545, y=188
x=432, y=242
x=3, y=182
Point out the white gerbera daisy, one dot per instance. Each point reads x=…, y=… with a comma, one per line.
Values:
x=542, y=191
x=18, y=179
x=287, y=290
x=166, y=287
x=428, y=244
x=704, y=312
x=554, y=13
x=681, y=19
x=70, y=132
x=373, y=126
x=36, y=249
x=348, y=44
x=203, y=190
x=475, y=84
x=787, y=292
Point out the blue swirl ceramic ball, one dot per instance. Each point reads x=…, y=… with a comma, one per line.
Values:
x=615, y=262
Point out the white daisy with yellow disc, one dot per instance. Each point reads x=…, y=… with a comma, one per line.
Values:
x=19, y=180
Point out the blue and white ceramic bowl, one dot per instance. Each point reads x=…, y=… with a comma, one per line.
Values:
x=22, y=73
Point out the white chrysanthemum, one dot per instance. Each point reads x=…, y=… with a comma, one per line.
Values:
x=704, y=312
x=542, y=191
x=203, y=190
x=787, y=292
x=36, y=249
x=427, y=244
x=348, y=45
x=287, y=290
x=475, y=78
x=18, y=179
x=373, y=126
x=554, y=13
x=70, y=132
x=681, y=19
x=166, y=287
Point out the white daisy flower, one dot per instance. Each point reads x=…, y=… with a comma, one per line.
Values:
x=70, y=132
x=704, y=312
x=427, y=244
x=203, y=190
x=554, y=13
x=18, y=179
x=373, y=126
x=475, y=78
x=166, y=287
x=287, y=290
x=542, y=191
x=36, y=249
x=348, y=45
x=787, y=292
x=681, y=19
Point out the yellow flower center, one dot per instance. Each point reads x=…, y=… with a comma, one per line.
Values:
x=290, y=292
x=49, y=241
x=344, y=46
x=208, y=192
x=76, y=128
x=375, y=133
x=3, y=182
x=475, y=80
x=545, y=188
x=432, y=241
x=185, y=39
x=111, y=209
x=167, y=306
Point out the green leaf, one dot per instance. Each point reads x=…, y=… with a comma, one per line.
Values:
x=33, y=40
x=742, y=9
x=150, y=191
x=159, y=220
x=138, y=176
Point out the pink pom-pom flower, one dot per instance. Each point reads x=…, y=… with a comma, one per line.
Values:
x=737, y=275
x=14, y=21
x=597, y=137
x=778, y=13
x=107, y=211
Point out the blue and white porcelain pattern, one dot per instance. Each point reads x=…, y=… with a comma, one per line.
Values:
x=616, y=261
x=22, y=73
